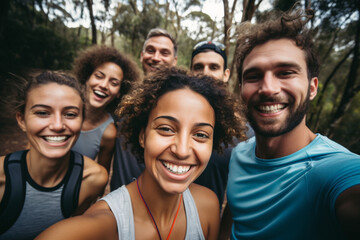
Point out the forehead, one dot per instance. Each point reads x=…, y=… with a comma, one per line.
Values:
x=176, y=103
x=54, y=94
x=275, y=52
x=207, y=58
x=160, y=42
x=110, y=68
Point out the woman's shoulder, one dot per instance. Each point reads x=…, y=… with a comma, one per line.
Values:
x=203, y=197
x=94, y=173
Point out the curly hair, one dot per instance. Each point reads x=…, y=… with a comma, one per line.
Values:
x=290, y=25
x=135, y=107
x=91, y=58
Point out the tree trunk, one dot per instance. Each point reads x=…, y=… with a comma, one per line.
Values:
x=351, y=88
x=92, y=20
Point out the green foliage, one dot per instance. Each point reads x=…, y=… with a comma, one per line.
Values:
x=31, y=41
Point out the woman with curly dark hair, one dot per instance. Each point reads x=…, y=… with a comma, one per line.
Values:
x=173, y=121
x=107, y=75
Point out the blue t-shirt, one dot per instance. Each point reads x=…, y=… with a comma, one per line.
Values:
x=292, y=197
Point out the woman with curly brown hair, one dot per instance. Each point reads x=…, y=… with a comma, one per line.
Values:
x=107, y=75
x=173, y=121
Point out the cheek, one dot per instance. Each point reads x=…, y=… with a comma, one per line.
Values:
x=75, y=126
x=203, y=153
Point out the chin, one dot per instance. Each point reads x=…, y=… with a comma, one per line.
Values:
x=175, y=188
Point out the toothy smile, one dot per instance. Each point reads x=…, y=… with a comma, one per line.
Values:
x=100, y=94
x=271, y=108
x=55, y=139
x=177, y=169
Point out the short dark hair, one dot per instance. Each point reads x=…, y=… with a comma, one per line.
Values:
x=91, y=58
x=290, y=25
x=155, y=32
x=207, y=46
x=135, y=107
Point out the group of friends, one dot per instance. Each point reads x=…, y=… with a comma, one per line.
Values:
x=180, y=142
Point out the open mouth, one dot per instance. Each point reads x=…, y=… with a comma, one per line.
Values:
x=270, y=108
x=176, y=169
x=56, y=139
x=100, y=94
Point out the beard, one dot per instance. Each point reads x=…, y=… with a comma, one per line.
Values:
x=296, y=115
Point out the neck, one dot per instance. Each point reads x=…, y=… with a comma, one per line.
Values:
x=284, y=145
x=94, y=117
x=44, y=171
x=163, y=205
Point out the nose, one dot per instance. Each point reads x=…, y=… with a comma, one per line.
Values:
x=104, y=83
x=181, y=147
x=206, y=71
x=57, y=123
x=270, y=85
x=156, y=56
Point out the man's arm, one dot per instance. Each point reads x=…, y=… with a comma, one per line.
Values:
x=225, y=224
x=347, y=208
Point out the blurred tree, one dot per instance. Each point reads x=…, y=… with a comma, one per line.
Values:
x=338, y=36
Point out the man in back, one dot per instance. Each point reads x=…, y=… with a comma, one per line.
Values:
x=160, y=49
x=209, y=58
x=288, y=182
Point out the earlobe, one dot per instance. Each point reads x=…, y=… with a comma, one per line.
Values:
x=175, y=61
x=313, y=87
x=226, y=75
x=20, y=121
x=141, y=138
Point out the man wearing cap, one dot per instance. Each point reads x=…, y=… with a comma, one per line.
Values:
x=209, y=58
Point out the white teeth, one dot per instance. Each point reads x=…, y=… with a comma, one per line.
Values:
x=175, y=168
x=55, y=139
x=271, y=108
x=101, y=94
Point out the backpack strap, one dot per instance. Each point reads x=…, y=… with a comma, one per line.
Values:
x=71, y=191
x=14, y=195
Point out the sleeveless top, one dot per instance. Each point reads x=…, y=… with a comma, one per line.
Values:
x=88, y=143
x=42, y=208
x=119, y=202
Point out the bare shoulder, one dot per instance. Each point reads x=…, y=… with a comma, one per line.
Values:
x=2, y=177
x=109, y=133
x=203, y=196
x=94, y=173
x=95, y=178
x=208, y=208
x=97, y=222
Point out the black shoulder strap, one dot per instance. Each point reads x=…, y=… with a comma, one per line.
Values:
x=14, y=195
x=70, y=194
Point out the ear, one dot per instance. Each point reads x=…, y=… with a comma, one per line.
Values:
x=142, y=138
x=20, y=121
x=226, y=75
x=175, y=61
x=313, y=87
x=141, y=56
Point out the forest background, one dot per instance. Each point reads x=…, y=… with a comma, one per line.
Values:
x=48, y=34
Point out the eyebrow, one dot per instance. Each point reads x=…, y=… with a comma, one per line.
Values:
x=278, y=65
x=177, y=121
x=46, y=106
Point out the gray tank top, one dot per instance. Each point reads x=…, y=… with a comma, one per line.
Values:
x=42, y=208
x=120, y=204
x=88, y=143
